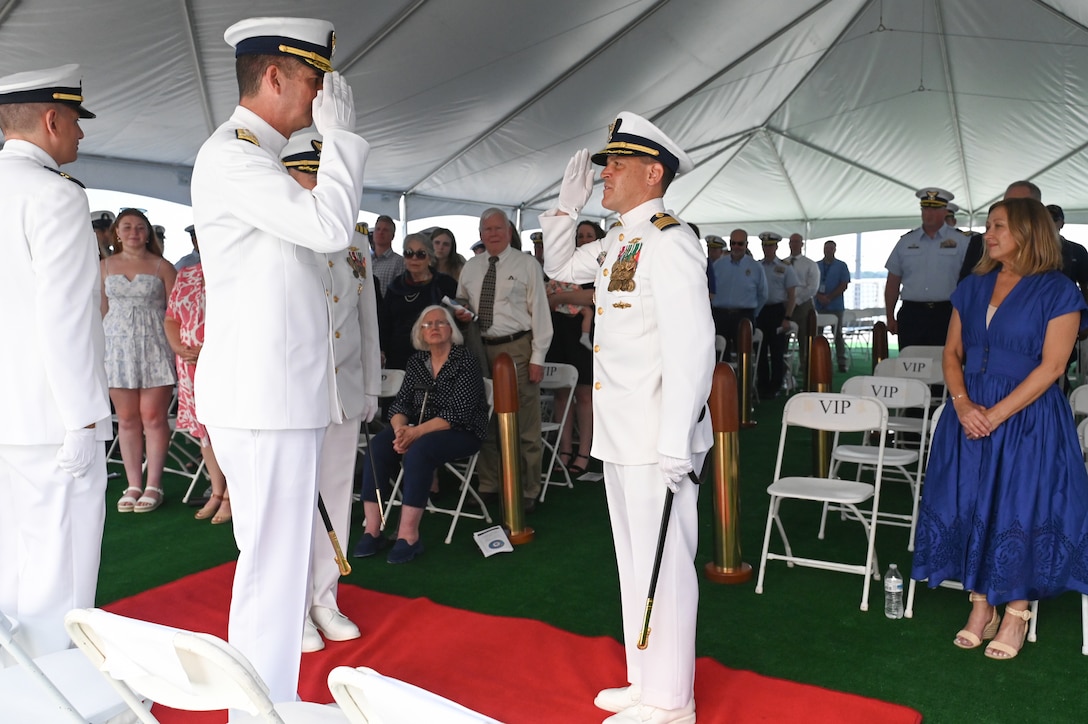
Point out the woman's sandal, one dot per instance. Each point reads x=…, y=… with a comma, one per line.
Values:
x=223, y=514
x=576, y=469
x=146, y=503
x=563, y=461
x=210, y=507
x=973, y=641
x=128, y=501
x=1001, y=652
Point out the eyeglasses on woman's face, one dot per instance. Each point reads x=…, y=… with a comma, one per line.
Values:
x=436, y=324
x=415, y=254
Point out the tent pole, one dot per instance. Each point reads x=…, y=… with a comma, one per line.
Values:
x=404, y=211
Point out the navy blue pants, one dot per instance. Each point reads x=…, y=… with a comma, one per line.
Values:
x=422, y=459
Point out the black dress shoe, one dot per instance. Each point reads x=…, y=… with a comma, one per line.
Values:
x=369, y=545
x=529, y=505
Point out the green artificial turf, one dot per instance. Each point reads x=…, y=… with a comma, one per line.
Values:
x=805, y=627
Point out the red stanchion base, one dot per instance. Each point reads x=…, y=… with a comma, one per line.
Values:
x=517, y=539
x=743, y=574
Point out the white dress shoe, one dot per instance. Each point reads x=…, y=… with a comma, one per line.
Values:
x=643, y=714
x=619, y=698
x=311, y=639
x=333, y=624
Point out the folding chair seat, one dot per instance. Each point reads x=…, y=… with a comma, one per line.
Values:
x=58, y=687
x=556, y=377
x=463, y=470
x=836, y=413
x=180, y=669
x=898, y=394
x=367, y=697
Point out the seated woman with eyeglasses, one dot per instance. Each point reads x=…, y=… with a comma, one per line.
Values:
x=420, y=286
x=440, y=415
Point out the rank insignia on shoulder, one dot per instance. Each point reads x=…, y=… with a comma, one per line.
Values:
x=664, y=221
x=362, y=228
x=615, y=224
x=244, y=134
x=73, y=179
x=948, y=244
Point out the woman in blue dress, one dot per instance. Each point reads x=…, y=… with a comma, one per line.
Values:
x=1005, y=503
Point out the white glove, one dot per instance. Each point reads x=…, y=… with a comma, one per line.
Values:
x=370, y=407
x=77, y=453
x=674, y=470
x=577, y=184
x=334, y=106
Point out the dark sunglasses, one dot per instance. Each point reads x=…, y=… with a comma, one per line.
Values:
x=417, y=254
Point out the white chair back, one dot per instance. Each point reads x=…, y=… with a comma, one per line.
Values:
x=391, y=382
x=367, y=697
x=835, y=412
x=720, y=344
x=926, y=369
x=895, y=392
x=934, y=352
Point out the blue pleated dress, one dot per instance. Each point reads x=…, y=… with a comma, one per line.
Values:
x=1007, y=515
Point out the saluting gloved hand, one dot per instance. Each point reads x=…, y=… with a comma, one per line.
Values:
x=370, y=408
x=77, y=453
x=675, y=470
x=334, y=106
x=577, y=184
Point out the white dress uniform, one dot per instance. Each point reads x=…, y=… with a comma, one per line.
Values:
x=349, y=291
x=52, y=379
x=653, y=360
x=263, y=383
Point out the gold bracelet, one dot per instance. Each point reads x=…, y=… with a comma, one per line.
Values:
x=956, y=397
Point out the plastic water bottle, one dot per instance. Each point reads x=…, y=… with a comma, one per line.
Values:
x=893, y=593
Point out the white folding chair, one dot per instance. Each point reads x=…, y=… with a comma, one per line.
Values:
x=367, y=697
x=753, y=373
x=934, y=352
x=54, y=688
x=720, y=343
x=792, y=359
x=831, y=321
x=897, y=393
x=463, y=471
x=1034, y=622
x=837, y=413
x=924, y=368
x=391, y=382
x=556, y=377
x=180, y=669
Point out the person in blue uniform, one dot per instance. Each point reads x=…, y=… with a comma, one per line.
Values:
x=653, y=358
x=1004, y=510
x=740, y=289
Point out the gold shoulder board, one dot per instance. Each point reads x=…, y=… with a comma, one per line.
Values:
x=247, y=135
x=664, y=221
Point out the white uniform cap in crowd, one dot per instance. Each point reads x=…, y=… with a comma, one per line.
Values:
x=770, y=237
x=53, y=85
x=934, y=197
x=952, y=208
x=311, y=41
x=714, y=242
x=102, y=219
x=302, y=152
x=632, y=135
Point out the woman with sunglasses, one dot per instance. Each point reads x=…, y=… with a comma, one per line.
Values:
x=419, y=287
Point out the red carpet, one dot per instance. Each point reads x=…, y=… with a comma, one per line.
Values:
x=516, y=670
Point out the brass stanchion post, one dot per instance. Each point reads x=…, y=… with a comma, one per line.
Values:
x=810, y=334
x=821, y=382
x=880, y=343
x=747, y=371
x=727, y=566
x=505, y=380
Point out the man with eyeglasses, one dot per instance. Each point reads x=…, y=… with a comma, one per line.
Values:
x=740, y=289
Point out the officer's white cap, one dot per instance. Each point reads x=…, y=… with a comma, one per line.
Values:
x=310, y=40
x=632, y=135
x=52, y=85
x=770, y=237
x=934, y=197
x=302, y=152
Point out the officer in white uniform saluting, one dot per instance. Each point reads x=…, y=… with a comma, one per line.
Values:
x=357, y=371
x=265, y=387
x=653, y=360
x=52, y=377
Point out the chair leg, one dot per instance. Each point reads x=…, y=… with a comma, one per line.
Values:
x=1084, y=624
x=766, y=543
x=909, y=611
x=1034, y=622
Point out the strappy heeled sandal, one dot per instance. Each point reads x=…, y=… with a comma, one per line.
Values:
x=128, y=501
x=210, y=507
x=146, y=503
x=576, y=469
x=223, y=514
x=563, y=460
x=1002, y=652
x=973, y=641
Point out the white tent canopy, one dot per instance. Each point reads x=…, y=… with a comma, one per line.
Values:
x=818, y=116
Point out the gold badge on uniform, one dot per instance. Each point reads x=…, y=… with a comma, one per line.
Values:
x=623, y=269
x=244, y=134
x=948, y=244
x=357, y=262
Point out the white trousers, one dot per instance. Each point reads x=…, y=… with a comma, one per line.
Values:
x=335, y=480
x=50, y=541
x=273, y=493
x=665, y=670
